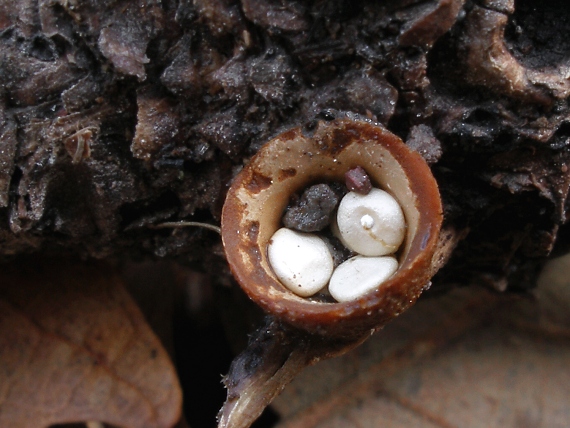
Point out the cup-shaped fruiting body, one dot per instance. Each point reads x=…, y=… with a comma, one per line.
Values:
x=296, y=159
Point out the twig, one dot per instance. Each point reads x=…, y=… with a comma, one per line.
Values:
x=180, y=224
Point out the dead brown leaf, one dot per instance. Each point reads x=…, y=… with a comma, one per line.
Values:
x=75, y=347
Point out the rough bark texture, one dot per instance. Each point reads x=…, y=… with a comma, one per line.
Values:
x=117, y=115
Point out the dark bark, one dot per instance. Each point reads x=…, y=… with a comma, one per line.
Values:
x=118, y=115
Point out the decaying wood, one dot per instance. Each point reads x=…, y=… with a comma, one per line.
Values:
x=118, y=115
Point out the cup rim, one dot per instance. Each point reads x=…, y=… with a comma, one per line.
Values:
x=260, y=192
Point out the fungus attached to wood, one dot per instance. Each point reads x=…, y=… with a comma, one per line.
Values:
x=294, y=161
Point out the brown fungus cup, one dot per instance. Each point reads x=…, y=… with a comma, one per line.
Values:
x=294, y=160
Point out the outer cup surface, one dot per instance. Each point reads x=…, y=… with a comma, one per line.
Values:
x=294, y=160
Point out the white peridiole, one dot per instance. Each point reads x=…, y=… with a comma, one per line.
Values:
x=360, y=275
x=372, y=224
x=301, y=261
